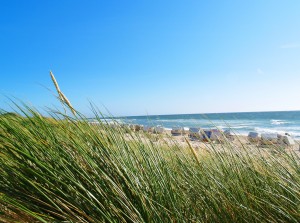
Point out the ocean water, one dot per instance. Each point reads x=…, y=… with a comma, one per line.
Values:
x=239, y=123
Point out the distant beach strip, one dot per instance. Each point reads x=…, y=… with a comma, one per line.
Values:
x=239, y=123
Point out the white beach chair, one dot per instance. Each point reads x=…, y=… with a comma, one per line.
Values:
x=158, y=129
x=269, y=138
x=135, y=127
x=288, y=140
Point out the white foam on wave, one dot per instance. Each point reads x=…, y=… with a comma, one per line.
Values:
x=222, y=127
x=240, y=127
x=178, y=120
x=266, y=130
x=291, y=129
x=278, y=122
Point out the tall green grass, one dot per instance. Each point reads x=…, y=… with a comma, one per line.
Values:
x=61, y=169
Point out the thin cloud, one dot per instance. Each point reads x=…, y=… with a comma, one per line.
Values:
x=290, y=46
x=259, y=71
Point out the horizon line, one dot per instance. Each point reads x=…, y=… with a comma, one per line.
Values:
x=207, y=113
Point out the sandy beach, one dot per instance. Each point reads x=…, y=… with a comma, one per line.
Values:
x=239, y=142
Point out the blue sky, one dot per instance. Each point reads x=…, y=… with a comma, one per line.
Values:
x=153, y=57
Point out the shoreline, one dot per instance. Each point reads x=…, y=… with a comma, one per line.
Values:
x=277, y=123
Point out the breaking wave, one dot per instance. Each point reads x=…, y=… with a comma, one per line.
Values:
x=278, y=122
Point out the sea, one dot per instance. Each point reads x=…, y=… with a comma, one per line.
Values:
x=239, y=123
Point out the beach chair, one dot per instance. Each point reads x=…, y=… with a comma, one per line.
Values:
x=114, y=125
x=206, y=135
x=135, y=128
x=177, y=131
x=253, y=137
x=269, y=138
x=158, y=129
x=288, y=140
x=94, y=123
x=229, y=135
x=194, y=133
x=148, y=128
x=131, y=127
x=216, y=135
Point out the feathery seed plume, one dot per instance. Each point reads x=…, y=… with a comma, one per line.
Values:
x=62, y=97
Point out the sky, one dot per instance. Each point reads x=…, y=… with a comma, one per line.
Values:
x=139, y=57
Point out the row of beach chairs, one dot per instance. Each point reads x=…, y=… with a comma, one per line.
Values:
x=149, y=129
x=203, y=134
x=271, y=139
x=219, y=135
x=193, y=133
x=210, y=134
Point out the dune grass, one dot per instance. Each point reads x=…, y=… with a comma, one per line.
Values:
x=62, y=169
